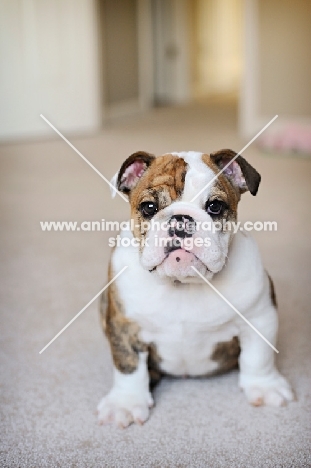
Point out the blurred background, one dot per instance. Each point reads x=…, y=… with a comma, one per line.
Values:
x=85, y=62
x=117, y=76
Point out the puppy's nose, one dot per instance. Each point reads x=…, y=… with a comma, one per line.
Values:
x=181, y=226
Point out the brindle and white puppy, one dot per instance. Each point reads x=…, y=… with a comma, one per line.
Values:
x=159, y=316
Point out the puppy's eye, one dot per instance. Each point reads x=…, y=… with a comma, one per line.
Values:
x=148, y=209
x=215, y=207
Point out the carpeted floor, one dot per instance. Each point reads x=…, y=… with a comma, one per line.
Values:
x=48, y=401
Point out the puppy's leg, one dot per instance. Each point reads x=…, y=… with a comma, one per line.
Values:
x=129, y=399
x=259, y=378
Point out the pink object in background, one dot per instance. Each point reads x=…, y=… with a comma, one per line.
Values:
x=292, y=138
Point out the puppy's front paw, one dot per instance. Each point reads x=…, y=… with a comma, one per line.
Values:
x=122, y=409
x=271, y=390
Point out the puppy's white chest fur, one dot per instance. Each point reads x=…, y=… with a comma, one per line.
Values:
x=184, y=326
x=187, y=348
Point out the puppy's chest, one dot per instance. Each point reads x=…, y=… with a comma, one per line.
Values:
x=188, y=348
x=184, y=326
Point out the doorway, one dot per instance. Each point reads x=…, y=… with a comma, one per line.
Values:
x=217, y=39
x=168, y=52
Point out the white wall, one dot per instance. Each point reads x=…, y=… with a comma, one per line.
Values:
x=218, y=36
x=48, y=65
x=277, y=64
x=285, y=57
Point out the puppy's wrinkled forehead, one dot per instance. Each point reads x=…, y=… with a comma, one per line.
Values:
x=187, y=176
x=164, y=180
x=179, y=176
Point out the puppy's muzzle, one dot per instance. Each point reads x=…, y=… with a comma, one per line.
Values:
x=180, y=227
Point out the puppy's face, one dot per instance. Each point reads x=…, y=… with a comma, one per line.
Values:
x=180, y=204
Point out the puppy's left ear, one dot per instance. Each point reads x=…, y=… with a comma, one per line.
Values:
x=240, y=173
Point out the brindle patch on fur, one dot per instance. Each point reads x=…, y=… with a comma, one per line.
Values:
x=222, y=189
x=123, y=336
x=163, y=182
x=103, y=302
x=226, y=354
x=154, y=360
x=272, y=292
x=121, y=332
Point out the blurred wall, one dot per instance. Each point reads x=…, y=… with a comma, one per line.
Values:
x=171, y=24
x=277, y=65
x=48, y=65
x=218, y=40
x=285, y=57
x=119, y=21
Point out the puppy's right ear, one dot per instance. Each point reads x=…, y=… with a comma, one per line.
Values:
x=132, y=170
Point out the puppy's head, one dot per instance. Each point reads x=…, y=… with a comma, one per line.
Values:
x=177, y=200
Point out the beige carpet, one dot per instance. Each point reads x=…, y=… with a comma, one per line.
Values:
x=48, y=401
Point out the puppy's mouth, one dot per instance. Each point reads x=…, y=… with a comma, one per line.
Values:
x=177, y=258
x=178, y=263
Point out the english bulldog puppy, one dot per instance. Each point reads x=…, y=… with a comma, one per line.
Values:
x=160, y=315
